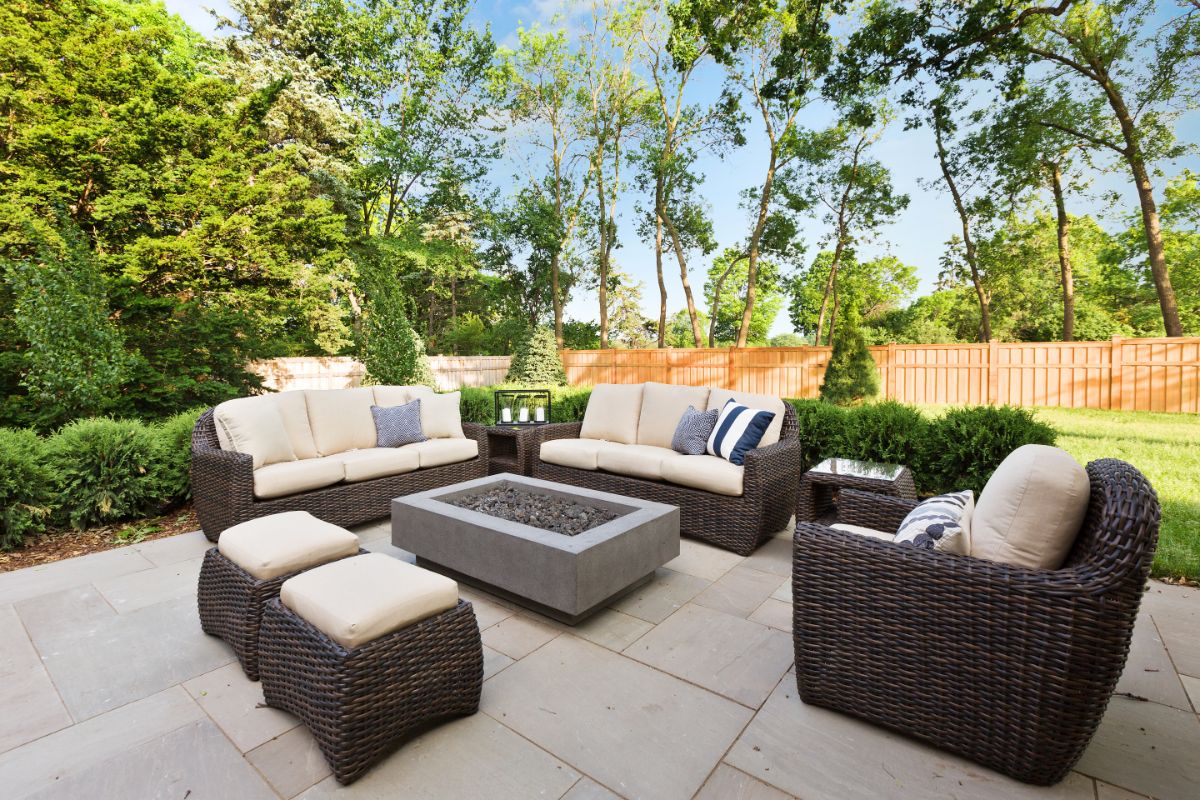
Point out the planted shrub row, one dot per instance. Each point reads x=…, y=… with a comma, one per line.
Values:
x=567, y=403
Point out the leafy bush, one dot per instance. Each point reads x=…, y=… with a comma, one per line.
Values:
x=888, y=432
x=477, y=404
x=105, y=471
x=567, y=403
x=821, y=430
x=851, y=376
x=536, y=362
x=965, y=445
x=173, y=456
x=25, y=483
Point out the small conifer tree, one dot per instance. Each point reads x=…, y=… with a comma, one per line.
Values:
x=851, y=376
x=536, y=362
x=393, y=353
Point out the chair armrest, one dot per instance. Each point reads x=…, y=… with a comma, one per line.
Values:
x=473, y=430
x=879, y=511
x=774, y=468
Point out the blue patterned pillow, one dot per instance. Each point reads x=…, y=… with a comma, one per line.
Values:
x=739, y=430
x=691, y=435
x=396, y=426
x=941, y=523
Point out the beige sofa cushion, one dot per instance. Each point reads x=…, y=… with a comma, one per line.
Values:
x=709, y=473
x=253, y=425
x=293, y=407
x=376, y=462
x=662, y=407
x=1031, y=509
x=277, y=544
x=291, y=477
x=760, y=402
x=396, y=395
x=635, y=460
x=861, y=531
x=359, y=599
x=440, y=415
x=577, y=453
x=437, y=452
x=341, y=419
x=613, y=412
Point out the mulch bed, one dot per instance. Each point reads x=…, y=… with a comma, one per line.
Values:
x=58, y=545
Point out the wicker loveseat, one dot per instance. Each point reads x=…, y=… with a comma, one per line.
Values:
x=333, y=469
x=623, y=445
x=1009, y=666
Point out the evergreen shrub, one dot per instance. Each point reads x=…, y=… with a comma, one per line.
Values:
x=25, y=486
x=105, y=471
x=965, y=445
x=851, y=376
x=536, y=362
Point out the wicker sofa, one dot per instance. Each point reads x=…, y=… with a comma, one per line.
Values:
x=1009, y=666
x=623, y=445
x=333, y=468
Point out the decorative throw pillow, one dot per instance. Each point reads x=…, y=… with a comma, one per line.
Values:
x=941, y=523
x=396, y=426
x=691, y=435
x=739, y=429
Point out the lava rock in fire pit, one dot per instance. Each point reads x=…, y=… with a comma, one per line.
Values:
x=539, y=510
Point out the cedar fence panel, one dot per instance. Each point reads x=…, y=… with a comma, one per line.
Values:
x=1126, y=374
x=450, y=372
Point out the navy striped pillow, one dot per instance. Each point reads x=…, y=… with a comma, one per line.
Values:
x=739, y=430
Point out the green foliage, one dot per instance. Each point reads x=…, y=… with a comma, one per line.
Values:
x=851, y=376
x=725, y=291
x=105, y=470
x=173, y=456
x=965, y=445
x=887, y=432
x=25, y=486
x=567, y=403
x=391, y=350
x=788, y=340
x=821, y=429
x=537, y=362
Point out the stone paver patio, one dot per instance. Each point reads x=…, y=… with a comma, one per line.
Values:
x=109, y=689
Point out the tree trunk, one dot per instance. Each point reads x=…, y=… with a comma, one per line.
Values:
x=718, y=288
x=985, y=317
x=604, y=250
x=557, y=298
x=658, y=254
x=677, y=246
x=1064, y=254
x=830, y=282
x=833, y=316
x=764, y=206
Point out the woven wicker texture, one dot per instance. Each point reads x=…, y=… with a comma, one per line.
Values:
x=231, y=603
x=1007, y=666
x=223, y=485
x=738, y=524
x=362, y=704
x=815, y=496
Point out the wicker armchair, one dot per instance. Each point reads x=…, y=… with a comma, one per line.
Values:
x=223, y=485
x=1007, y=666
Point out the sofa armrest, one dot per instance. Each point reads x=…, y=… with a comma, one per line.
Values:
x=473, y=430
x=222, y=483
x=775, y=469
x=879, y=511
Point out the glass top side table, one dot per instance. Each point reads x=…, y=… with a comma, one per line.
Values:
x=819, y=486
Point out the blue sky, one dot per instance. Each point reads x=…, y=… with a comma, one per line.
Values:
x=917, y=237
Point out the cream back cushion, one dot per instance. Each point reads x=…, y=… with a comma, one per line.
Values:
x=613, y=413
x=341, y=419
x=440, y=415
x=1031, y=509
x=662, y=407
x=293, y=408
x=253, y=425
x=759, y=402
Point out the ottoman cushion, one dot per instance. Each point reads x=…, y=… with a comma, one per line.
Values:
x=275, y=545
x=356, y=600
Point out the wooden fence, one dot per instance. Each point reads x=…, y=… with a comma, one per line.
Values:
x=1126, y=374
x=451, y=372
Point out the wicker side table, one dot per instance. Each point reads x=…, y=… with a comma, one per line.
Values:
x=818, y=486
x=510, y=448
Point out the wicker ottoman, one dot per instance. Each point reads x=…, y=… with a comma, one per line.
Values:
x=250, y=563
x=368, y=651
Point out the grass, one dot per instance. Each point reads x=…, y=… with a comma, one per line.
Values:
x=1166, y=448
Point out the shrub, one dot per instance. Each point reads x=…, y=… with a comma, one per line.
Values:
x=851, y=376
x=567, y=403
x=173, y=456
x=888, y=432
x=965, y=445
x=391, y=350
x=105, y=471
x=25, y=483
x=477, y=404
x=536, y=362
x=821, y=430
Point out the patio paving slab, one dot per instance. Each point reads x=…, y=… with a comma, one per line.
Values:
x=236, y=704
x=493, y=662
x=1148, y=670
x=23, y=584
x=775, y=614
x=1192, y=686
x=608, y=628
x=488, y=610
x=291, y=762
x=784, y=593
x=588, y=789
x=30, y=703
x=733, y=657
x=662, y=596
x=518, y=636
x=702, y=560
x=194, y=761
x=818, y=754
x=727, y=783
x=100, y=660
x=739, y=592
x=173, y=549
x=1176, y=613
x=1106, y=791
x=1146, y=748
x=775, y=557
x=471, y=757
x=146, y=587
x=638, y=731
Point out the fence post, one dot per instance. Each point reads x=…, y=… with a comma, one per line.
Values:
x=1115, y=379
x=890, y=374
x=993, y=387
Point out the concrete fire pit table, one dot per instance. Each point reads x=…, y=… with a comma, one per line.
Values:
x=564, y=577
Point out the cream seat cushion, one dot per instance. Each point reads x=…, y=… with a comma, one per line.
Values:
x=377, y=462
x=760, y=402
x=861, y=531
x=662, y=407
x=254, y=426
x=359, y=599
x=292, y=477
x=341, y=419
x=613, y=412
x=440, y=416
x=277, y=544
x=636, y=460
x=437, y=452
x=577, y=453
x=710, y=473
x=1031, y=509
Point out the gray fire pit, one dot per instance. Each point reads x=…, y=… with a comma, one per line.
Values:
x=564, y=577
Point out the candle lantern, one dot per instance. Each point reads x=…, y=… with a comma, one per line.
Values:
x=518, y=407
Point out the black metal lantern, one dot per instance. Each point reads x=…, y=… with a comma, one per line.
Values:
x=520, y=407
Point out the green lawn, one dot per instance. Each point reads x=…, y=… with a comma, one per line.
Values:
x=1166, y=448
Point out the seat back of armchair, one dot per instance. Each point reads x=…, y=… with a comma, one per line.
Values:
x=1120, y=531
